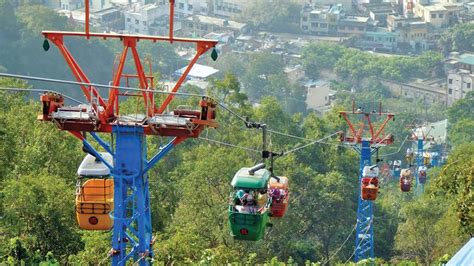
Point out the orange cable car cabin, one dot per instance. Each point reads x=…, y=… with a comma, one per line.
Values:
x=370, y=182
x=94, y=194
x=280, y=196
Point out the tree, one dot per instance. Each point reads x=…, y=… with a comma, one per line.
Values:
x=228, y=89
x=283, y=16
x=256, y=77
x=35, y=207
x=456, y=182
x=317, y=57
x=428, y=230
x=457, y=38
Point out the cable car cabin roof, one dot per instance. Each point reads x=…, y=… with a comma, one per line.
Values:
x=370, y=171
x=92, y=167
x=243, y=179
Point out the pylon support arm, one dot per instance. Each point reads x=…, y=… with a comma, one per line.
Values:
x=96, y=153
x=102, y=143
x=388, y=118
x=167, y=148
x=139, y=37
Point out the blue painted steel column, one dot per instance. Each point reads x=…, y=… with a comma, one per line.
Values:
x=364, y=230
x=419, y=162
x=132, y=222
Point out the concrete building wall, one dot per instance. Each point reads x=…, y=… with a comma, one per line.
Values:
x=459, y=84
x=228, y=8
x=416, y=91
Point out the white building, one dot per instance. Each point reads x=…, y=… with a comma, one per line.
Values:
x=461, y=78
x=71, y=4
x=139, y=18
x=184, y=8
x=229, y=8
x=198, y=72
x=459, y=84
x=97, y=5
x=319, y=95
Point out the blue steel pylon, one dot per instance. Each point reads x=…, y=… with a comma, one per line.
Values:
x=419, y=187
x=364, y=229
x=132, y=230
x=365, y=146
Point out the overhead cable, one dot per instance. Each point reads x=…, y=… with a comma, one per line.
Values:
x=229, y=144
x=39, y=90
x=399, y=148
x=341, y=246
x=219, y=102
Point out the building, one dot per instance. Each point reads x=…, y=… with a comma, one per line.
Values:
x=198, y=25
x=295, y=74
x=71, y=4
x=460, y=77
x=108, y=19
x=378, y=39
x=430, y=91
x=414, y=34
x=458, y=61
x=198, y=72
x=225, y=41
x=228, y=8
x=346, y=4
x=438, y=14
x=319, y=95
x=139, y=18
x=321, y=20
x=185, y=8
x=459, y=84
x=352, y=25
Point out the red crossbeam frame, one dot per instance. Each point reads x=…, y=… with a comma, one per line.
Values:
x=356, y=134
x=129, y=42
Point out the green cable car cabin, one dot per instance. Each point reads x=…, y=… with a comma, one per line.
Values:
x=94, y=194
x=249, y=206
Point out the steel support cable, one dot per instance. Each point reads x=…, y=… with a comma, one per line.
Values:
x=340, y=247
x=255, y=150
x=360, y=242
x=399, y=148
x=60, y=81
x=309, y=144
x=219, y=102
x=229, y=145
x=38, y=90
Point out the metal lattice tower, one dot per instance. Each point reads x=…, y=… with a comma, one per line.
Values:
x=132, y=227
x=366, y=145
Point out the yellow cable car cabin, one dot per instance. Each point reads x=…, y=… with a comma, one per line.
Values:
x=427, y=158
x=94, y=194
x=370, y=182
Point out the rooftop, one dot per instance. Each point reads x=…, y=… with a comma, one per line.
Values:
x=198, y=71
x=356, y=19
x=217, y=21
x=467, y=59
x=434, y=8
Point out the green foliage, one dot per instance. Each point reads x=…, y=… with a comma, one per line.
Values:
x=355, y=65
x=31, y=210
x=457, y=38
x=320, y=56
x=428, y=230
x=456, y=182
x=282, y=17
x=461, y=120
